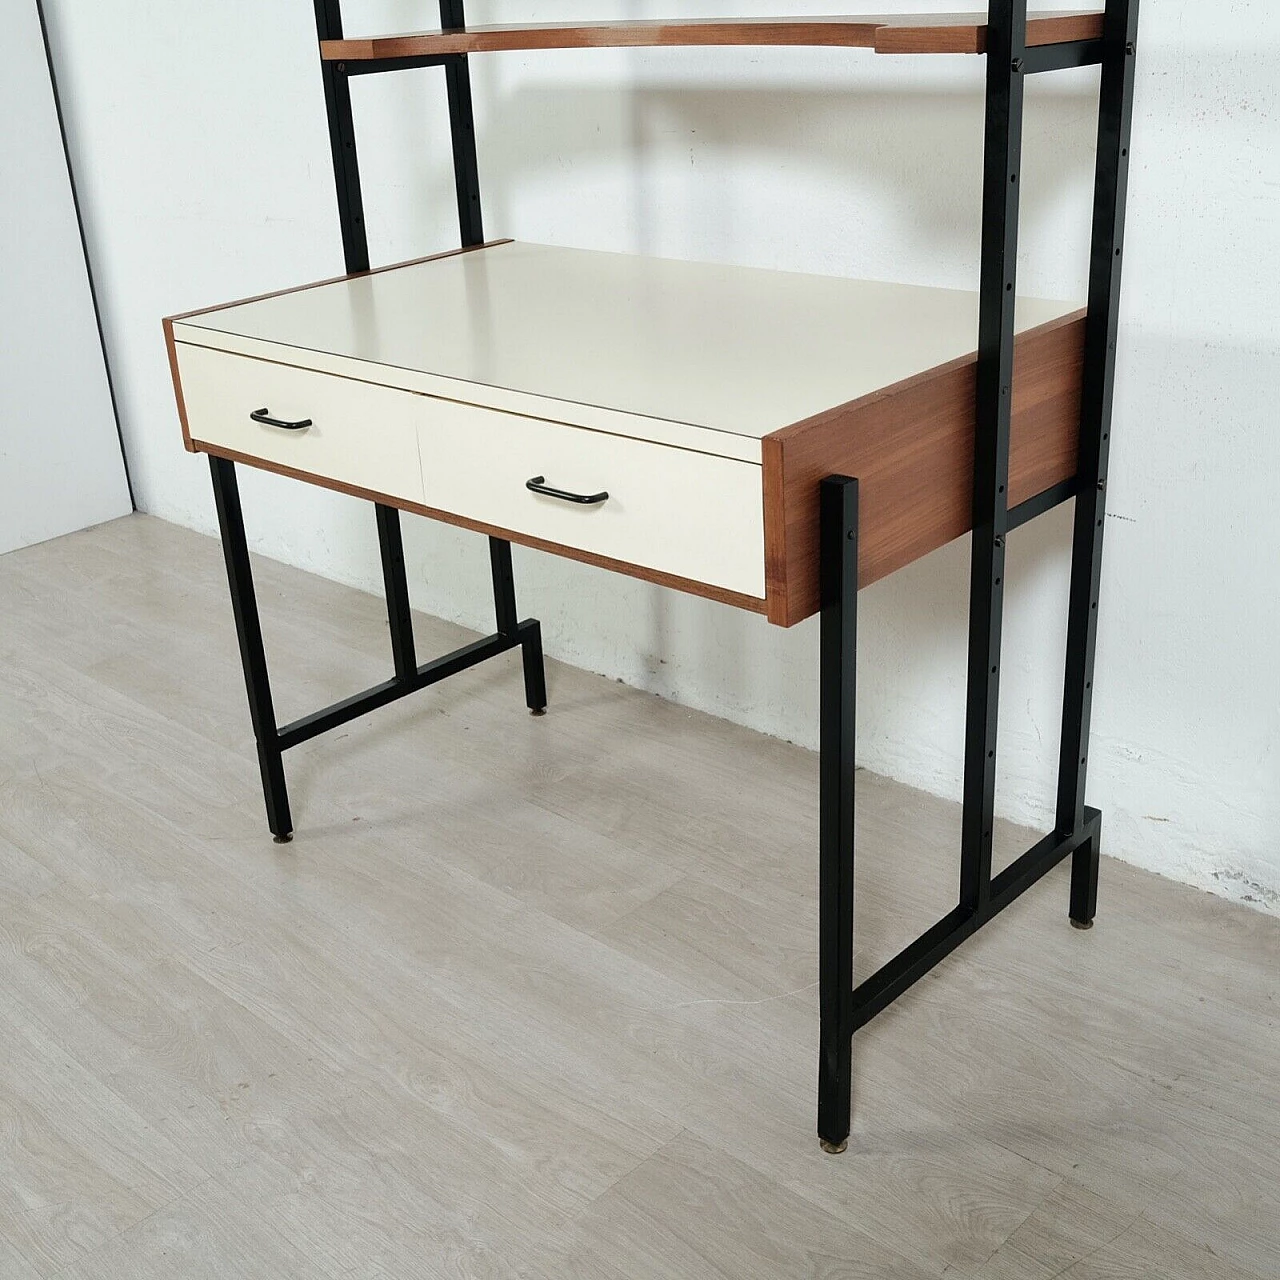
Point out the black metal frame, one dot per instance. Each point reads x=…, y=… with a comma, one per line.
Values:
x=844, y=1006
x=1078, y=829
x=409, y=677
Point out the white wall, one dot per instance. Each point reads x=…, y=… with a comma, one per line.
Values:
x=200, y=136
x=60, y=462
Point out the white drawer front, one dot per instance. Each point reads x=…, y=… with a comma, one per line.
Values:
x=361, y=435
x=672, y=510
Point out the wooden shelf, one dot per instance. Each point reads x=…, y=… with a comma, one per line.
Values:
x=885, y=33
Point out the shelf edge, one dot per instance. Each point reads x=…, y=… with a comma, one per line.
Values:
x=910, y=33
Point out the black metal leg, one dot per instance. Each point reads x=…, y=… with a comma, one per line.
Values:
x=535, y=674
x=1006, y=40
x=253, y=658
x=399, y=614
x=839, y=662
x=529, y=633
x=504, y=586
x=462, y=130
x=466, y=172
x=1084, y=875
x=1115, y=114
x=275, y=791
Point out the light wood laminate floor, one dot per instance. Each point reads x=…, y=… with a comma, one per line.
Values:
x=536, y=997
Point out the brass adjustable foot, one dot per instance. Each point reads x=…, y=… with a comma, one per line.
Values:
x=834, y=1148
x=537, y=711
x=284, y=839
x=1082, y=924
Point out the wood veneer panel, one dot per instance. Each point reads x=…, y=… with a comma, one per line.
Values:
x=911, y=448
x=177, y=383
x=738, y=601
x=885, y=33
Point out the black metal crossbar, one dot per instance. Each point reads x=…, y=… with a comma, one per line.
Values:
x=1042, y=502
x=1061, y=56
x=391, y=690
x=883, y=987
x=378, y=66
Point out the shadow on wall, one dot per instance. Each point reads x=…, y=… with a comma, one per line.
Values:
x=844, y=176
x=882, y=181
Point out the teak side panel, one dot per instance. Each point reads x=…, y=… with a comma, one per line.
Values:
x=910, y=447
x=751, y=603
x=885, y=33
x=171, y=347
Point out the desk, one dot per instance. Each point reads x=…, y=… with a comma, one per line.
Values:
x=771, y=441
x=700, y=405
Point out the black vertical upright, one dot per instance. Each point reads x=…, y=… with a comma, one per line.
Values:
x=1115, y=117
x=1006, y=49
x=462, y=127
x=529, y=632
x=355, y=250
x=342, y=142
x=466, y=176
x=838, y=556
x=253, y=658
x=355, y=244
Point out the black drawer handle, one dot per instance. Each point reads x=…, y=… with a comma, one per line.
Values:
x=539, y=485
x=264, y=416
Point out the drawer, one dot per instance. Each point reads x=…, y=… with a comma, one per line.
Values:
x=361, y=435
x=676, y=511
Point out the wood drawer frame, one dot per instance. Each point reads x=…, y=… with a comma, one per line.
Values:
x=910, y=444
